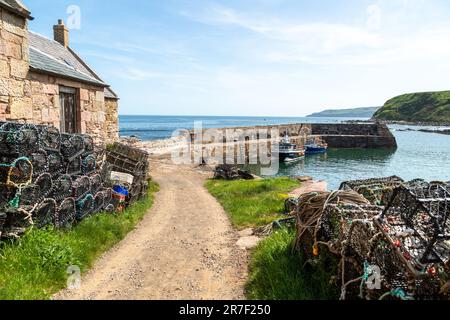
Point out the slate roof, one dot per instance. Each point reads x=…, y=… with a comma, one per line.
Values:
x=51, y=57
x=17, y=7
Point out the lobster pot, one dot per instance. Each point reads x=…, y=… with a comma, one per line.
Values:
x=74, y=167
x=44, y=184
x=28, y=196
x=45, y=213
x=62, y=188
x=18, y=138
x=56, y=164
x=88, y=145
x=396, y=275
x=137, y=191
x=107, y=200
x=129, y=160
x=50, y=138
x=36, y=192
x=337, y=220
x=377, y=191
x=81, y=187
x=16, y=223
x=424, y=212
x=72, y=146
x=17, y=173
x=99, y=202
x=2, y=222
x=96, y=183
x=89, y=164
x=39, y=160
x=358, y=244
x=85, y=207
x=66, y=214
x=7, y=193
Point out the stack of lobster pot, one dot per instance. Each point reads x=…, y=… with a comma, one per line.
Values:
x=47, y=178
x=128, y=172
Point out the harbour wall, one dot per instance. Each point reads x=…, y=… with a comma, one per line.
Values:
x=339, y=135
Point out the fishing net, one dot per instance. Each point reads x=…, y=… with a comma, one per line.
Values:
x=18, y=138
x=50, y=138
x=85, y=207
x=56, y=164
x=62, y=187
x=89, y=164
x=75, y=166
x=98, y=202
x=39, y=160
x=66, y=213
x=96, y=183
x=81, y=187
x=17, y=173
x=45, y=213
x=72, y=146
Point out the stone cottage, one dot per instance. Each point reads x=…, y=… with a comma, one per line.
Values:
x=43, y=81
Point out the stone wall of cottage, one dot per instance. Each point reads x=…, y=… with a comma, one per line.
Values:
x=15, y=94
x=32, y=97
x=112, y=118
x=46, y=105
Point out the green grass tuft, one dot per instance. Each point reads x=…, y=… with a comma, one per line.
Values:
x=417, y=107
x=277, y=272
x=252, y=203
x=34, y=267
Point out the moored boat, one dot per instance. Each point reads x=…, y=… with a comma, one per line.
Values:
x=316, y=148
x=289, y=152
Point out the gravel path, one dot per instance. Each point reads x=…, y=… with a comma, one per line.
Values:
x=185, y=248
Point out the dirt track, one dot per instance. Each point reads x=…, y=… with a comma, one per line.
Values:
x=185, y=248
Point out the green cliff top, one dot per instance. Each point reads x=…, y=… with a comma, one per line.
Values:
x=417, y=107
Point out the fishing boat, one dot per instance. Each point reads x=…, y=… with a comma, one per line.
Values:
x=289, y=152
x=316, y=148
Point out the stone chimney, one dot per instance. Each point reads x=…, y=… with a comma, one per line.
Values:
x=61, y=33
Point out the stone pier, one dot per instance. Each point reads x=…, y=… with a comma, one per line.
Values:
x=342, y=135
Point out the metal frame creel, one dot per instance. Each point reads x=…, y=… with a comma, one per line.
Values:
x=408, y=239
x=48, y=177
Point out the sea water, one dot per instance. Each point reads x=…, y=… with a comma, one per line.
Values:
x=419, y=155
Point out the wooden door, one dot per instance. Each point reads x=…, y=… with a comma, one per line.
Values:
x=69, y=110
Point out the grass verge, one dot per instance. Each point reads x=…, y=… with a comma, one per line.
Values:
x=277, y=272
x=34, y=267
x=252, y=203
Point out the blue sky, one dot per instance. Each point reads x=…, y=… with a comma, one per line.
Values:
x=257, y=57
